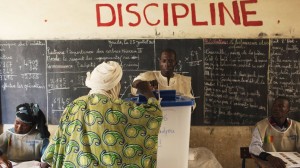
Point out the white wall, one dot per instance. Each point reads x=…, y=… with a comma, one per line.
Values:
x=77, y=19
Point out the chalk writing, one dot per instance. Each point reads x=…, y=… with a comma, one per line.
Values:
x=22, y=75
x=68, y=62
x=284, y=77
x=232, y=79
x=235, y=81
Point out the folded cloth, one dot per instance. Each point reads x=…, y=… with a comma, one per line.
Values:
x=192, y=153
x=203, y=158
x=27, y=164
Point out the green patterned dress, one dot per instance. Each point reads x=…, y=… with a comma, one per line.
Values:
x=96, y=131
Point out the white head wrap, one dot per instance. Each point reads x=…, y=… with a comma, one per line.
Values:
x=105, y=79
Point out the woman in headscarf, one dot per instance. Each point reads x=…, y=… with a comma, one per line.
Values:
x=28, y=139
x=101, y=130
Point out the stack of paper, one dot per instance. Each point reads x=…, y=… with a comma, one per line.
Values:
x=291, y=158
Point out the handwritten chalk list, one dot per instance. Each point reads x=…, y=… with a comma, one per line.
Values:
x=22, y=75
x=69, y=61
x=233, y=80
x=285, y=71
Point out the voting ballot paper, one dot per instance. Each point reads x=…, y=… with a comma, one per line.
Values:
x=291, y=158
x=27, y=164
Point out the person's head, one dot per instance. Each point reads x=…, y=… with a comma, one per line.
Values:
x=29, y=116
x=280, y=108
x=167, y=62
x=105, y=78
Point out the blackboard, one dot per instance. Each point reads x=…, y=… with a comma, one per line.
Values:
x=22, y=75
x=68, y=62
x=285, y=72
x=234, y=80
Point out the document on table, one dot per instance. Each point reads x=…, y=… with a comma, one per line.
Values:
x=291, y=158
x=28, y=164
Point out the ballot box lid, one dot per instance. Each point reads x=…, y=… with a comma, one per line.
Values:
x=168, y=99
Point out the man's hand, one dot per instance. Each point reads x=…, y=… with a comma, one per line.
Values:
x=145, y=89
x=276, y=162
x=4, y=160
x=154, y=85
x=44, y=165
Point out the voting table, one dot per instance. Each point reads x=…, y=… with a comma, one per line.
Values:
x=292, y=159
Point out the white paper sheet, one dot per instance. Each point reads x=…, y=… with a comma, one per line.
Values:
x=28, y=164
x=291, y=158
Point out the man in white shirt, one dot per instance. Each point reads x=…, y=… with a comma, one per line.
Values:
x=166, y=79
x=276, y=134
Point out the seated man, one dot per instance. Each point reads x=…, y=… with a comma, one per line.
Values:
x=166, y=79
x=276, y=134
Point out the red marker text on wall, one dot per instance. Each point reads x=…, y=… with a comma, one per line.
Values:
x=173, y=13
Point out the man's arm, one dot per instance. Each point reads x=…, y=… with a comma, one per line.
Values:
x=256, y=149
x=4, y=161
x=146, y=76
x=3, y=149
x=256, y=146
x=145, y=89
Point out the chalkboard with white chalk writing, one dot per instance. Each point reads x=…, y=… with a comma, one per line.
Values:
x=233, y=80
x=22, y=75
x=284, y=72
x=68, y=62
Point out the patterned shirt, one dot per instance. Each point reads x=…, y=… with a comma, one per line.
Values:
x=96, y=131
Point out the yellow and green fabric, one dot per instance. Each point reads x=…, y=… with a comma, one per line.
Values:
x=96, y=131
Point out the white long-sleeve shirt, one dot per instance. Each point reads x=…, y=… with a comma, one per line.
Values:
x=256, y=146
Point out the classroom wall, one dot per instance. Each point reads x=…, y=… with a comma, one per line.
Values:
x=223, y=141
x=73, y=19
x=106, y=19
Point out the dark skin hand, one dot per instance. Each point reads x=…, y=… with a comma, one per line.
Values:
x=276, y=162
x=153, y=84
x=44, y=165
x=144, y=88
x=4, y=160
